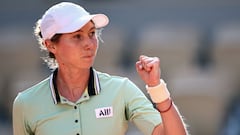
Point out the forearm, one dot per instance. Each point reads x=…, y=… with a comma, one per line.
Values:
x=172, y=123
x=172, y=120
x=149, y=70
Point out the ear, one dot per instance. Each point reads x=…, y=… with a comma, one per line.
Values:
x=50, y=45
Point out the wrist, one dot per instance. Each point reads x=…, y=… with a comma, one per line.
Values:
x=154, y=84
x=158, y=93
x=164, y=106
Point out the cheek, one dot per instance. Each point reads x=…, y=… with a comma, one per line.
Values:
x=96, y=50
x=94, y=40
x=95, y=43
x=65, y=51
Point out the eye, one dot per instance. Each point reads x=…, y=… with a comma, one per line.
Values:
x=92, y=34
x=77, y=36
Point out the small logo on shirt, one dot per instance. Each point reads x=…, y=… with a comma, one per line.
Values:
x=104, y=112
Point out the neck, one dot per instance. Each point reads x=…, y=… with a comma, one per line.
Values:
x=72, y=83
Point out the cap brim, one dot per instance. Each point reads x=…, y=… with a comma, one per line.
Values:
x=100, y=20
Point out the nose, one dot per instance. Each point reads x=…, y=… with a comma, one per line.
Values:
x=90, y=43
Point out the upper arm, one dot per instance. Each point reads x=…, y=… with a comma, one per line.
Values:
x=140, y=110
x=18, y=118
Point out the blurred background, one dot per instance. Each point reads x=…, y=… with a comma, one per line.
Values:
x=198, y=42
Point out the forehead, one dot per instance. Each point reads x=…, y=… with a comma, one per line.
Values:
x=87, y=27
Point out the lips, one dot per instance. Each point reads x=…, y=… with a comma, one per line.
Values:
x=88, y=56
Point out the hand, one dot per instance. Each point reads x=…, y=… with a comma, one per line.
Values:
x=148, y=69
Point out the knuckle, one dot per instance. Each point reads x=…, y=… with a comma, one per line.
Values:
x=157, y=59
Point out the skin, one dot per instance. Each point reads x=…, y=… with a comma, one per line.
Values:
x=75, y=53
x=148, y=69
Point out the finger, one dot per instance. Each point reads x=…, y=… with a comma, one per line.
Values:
x=142, y=56
x=153, y=62
x=139, y=65
x=146, y=67
x=147, y=62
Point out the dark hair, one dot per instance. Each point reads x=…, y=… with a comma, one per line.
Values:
x=54, y=39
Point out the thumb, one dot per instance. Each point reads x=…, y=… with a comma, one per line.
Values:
x=139, y=66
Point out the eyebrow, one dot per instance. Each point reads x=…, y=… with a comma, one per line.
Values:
x=92, y=28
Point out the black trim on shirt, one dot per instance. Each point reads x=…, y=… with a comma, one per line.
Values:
x=91, y=87
x=92, y=90
x=55, y=85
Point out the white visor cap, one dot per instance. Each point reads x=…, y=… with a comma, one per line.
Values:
x=67, y=17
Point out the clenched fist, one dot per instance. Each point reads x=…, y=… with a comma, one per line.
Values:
x=148, y=69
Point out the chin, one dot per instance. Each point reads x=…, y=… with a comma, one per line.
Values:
x=85, y=66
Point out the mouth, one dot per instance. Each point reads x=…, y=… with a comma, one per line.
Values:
x=88, y=56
